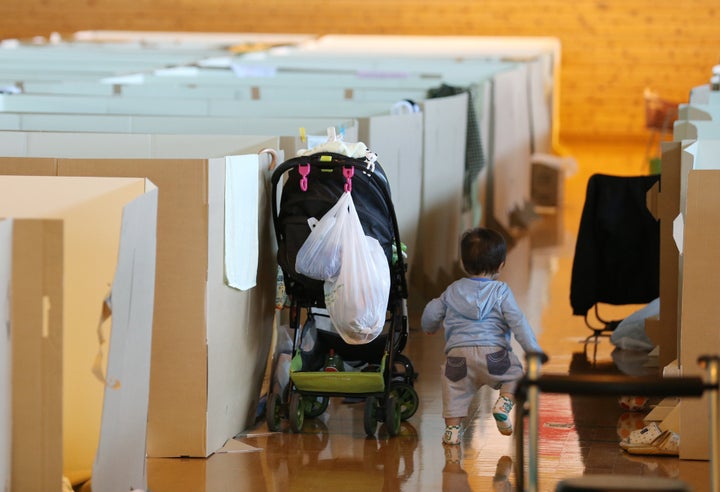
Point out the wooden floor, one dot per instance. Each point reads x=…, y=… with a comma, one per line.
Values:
x=578, y=435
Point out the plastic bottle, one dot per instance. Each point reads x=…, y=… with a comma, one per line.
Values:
x=334, y=363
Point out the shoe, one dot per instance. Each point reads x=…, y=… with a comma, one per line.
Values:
x=666, y=444
x=501, y=413
x=642, y=437
x=452, y=435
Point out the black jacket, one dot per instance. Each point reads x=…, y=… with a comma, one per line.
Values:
x=617, y=254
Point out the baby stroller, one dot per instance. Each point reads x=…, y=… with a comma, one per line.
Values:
x=377, y=371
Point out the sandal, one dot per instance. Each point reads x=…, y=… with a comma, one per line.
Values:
x=642, y=437
x=667, y=444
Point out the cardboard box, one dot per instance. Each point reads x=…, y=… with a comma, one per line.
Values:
x=99, y=243
x=547, y=185
x=210, y=341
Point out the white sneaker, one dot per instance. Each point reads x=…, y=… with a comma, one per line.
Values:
x=501, y=413
x=452, y=435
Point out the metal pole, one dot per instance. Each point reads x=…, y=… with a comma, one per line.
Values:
x=533, y=413
x=712, y=374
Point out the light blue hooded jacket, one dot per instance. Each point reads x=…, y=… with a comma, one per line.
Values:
x=479, y=312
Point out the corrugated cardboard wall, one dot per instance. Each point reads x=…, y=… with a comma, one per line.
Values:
x=612, y=50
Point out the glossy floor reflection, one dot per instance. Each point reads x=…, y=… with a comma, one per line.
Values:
x=578, y=434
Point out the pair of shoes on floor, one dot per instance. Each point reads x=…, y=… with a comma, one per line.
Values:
x=652, y=440
x=452, y=435
x=501, y=413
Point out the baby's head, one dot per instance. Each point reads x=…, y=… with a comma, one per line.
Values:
x=482, y=251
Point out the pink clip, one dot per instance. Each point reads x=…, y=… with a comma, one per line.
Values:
x=304, y=170
x=348, y=172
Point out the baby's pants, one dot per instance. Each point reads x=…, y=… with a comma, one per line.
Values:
x=466, y=369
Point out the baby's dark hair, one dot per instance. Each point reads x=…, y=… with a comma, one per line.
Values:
x=482, y=251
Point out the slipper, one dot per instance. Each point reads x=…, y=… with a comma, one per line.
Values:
x=642, y=437
x=667, y=444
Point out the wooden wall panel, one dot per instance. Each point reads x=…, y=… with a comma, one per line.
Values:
x=612, y=49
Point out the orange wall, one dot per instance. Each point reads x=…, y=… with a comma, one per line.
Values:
x=612, y=49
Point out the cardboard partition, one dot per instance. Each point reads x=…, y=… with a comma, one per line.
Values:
x=397, y=139
x=40, y=148
x=695, y=130
x=398, y=142
x=444, y=166
x=62, y=398
x=31, y=278
x=698, y=112
x=511, y=143
x=5, y=419
x=666, y=336
x=700, y=309
x=678, y=159
x=703, y=94
x=278, y=102
x=210, y=341
x=289, y=129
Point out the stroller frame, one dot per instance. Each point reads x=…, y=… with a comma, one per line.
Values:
x=388, y=392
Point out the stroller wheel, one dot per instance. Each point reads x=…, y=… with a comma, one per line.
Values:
x=316, y=406
x=407, y=398
x=403, y=366
x=296, y=412
x=370, y=420
x=272, y=412
x=392, y=415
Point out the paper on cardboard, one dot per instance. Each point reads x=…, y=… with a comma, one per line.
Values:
x=241, y=221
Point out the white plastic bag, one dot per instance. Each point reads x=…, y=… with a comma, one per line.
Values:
x=319, y=256
x=357, y=299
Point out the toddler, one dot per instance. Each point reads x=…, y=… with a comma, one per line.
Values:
x=479, y=314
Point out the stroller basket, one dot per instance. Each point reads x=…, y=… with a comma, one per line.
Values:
x=340, y=383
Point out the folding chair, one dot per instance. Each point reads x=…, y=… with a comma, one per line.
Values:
x=533, y=384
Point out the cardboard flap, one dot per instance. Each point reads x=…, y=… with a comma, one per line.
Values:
x=120, y=459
